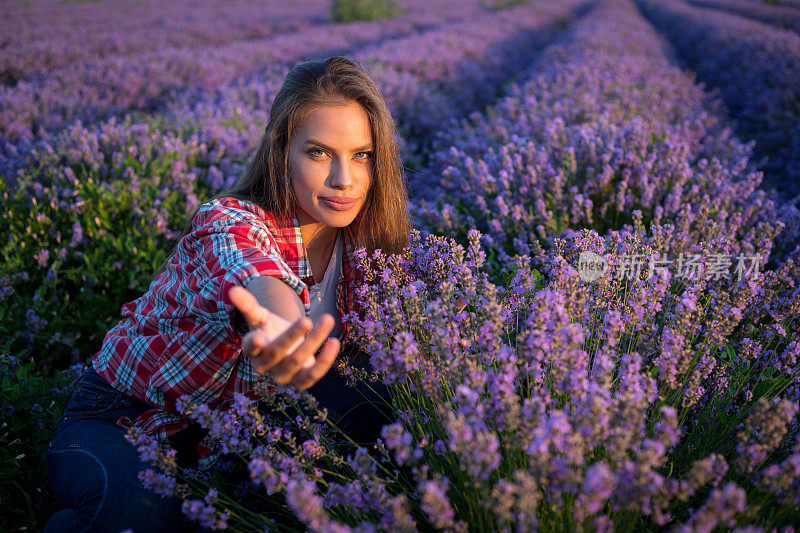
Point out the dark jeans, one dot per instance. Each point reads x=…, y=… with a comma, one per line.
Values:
x=93, y=470
x=360, y=410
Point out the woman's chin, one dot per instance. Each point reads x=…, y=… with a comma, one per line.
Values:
x=328, y=217
x=337, y=218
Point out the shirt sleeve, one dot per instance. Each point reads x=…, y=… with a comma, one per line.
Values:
x=231, y=247
x=232, y=250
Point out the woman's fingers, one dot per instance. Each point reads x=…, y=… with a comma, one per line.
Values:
x=254, y=314
x=289, y=357
x=253, y=342
x=272, y=353
x=287, y=342
x=306, y=377
x=284, y=371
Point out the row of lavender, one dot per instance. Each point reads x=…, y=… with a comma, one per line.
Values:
x=93, y=198
x=789, y=3
x=631, y=400
x=588, y=142
x=783, y=16
x=113, y=84
x=41, y=37
x=757, y=69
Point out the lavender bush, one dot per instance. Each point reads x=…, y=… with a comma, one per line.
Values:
x=85, y=230
x=627, y=402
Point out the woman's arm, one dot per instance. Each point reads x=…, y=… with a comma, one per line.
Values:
x=277, y=296
x=277, y=339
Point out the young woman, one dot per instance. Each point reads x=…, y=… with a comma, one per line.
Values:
x=256, y=284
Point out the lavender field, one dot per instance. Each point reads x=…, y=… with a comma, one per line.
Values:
x=596, y=326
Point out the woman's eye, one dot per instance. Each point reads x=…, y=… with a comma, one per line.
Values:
x=364, y=155
x=316, y=152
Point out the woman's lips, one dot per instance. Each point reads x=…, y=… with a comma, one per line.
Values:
x=339, y=203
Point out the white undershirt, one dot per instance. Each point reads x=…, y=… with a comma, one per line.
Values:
x=323, y=293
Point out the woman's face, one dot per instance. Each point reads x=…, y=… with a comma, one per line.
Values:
x=330, y=164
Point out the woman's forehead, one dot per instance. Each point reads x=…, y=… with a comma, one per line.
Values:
x=342, y=127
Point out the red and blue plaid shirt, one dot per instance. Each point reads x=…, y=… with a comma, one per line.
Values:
x=183, y=336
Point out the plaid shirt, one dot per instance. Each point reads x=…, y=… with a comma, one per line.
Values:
x=183, y=336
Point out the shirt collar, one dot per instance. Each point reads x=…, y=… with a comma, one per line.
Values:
x=286, y=230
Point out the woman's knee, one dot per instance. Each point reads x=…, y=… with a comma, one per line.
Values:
x=62, y=521
x=94, y=472
x=80, y=483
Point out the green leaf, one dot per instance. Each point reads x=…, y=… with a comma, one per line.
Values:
x=24, y=371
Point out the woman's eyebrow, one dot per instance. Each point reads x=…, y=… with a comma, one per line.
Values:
x=323, y=145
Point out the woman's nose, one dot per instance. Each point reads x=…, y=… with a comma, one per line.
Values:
x=341, y=176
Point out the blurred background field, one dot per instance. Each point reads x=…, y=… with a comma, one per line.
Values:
x=615, y=126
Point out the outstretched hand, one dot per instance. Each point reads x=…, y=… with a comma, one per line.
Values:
x=284, y=349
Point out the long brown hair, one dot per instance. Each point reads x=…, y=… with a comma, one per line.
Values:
x=384, y=221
